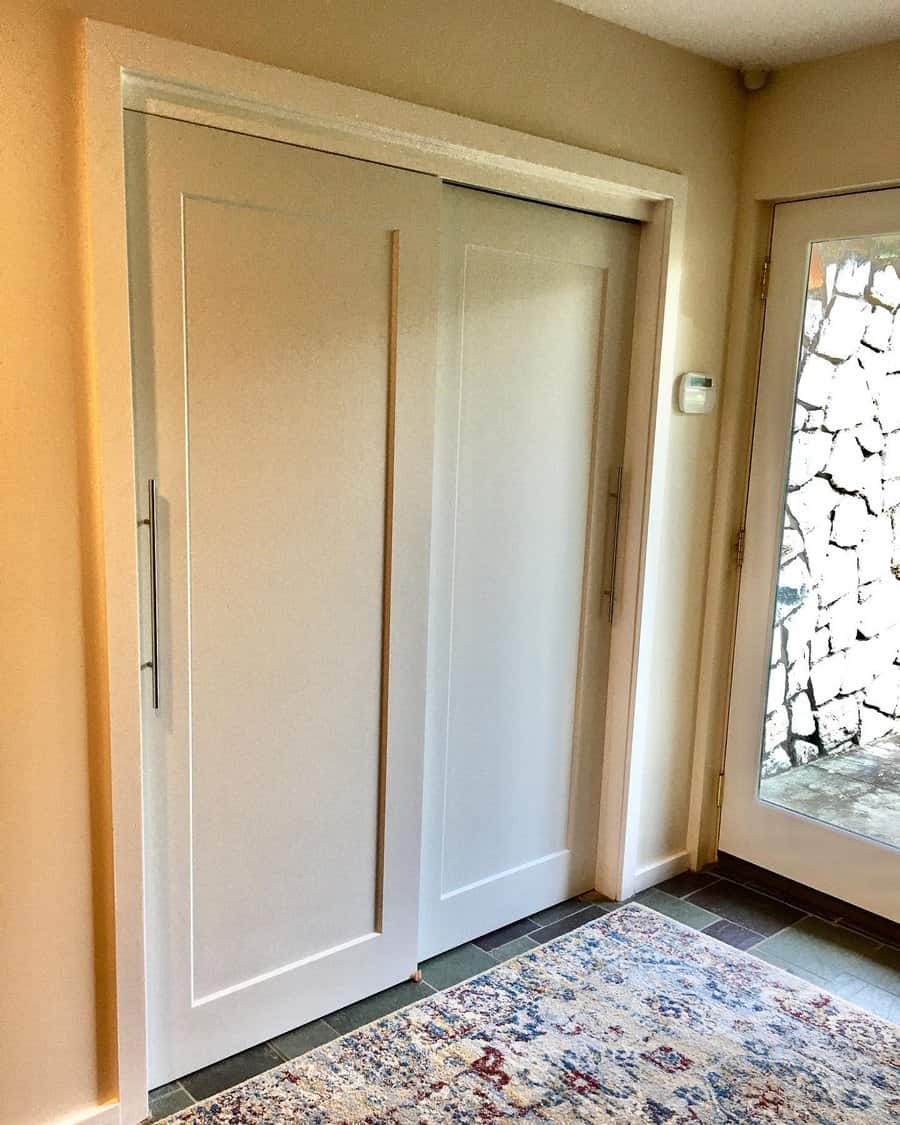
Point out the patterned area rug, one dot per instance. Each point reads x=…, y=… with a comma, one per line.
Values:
x=630, y=1018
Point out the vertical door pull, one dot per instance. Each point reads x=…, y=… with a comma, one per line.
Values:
x=617, y=496
x=153, y=662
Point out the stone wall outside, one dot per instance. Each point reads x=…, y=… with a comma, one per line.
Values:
x=835, y=677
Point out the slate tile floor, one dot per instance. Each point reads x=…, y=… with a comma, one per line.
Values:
x=837, y=947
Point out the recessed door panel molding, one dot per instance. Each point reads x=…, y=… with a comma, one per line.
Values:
x=533, y=360
x=812, y=779
x=276, y=629
x=283, y=327
x=524, y=435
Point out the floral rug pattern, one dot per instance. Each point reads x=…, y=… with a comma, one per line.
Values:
x=631, y=1018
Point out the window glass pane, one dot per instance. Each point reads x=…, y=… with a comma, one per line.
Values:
x=831, y=746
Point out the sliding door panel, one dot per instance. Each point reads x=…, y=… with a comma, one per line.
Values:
x=283, y=308
x=535, y=314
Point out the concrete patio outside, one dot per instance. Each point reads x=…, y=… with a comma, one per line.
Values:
x=857, y=790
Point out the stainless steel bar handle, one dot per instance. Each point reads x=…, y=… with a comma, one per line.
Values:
x=153, y=662
x=614, y=565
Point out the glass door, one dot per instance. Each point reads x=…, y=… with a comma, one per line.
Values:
x=812, y=781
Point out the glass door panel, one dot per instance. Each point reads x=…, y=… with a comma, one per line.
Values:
x=831, y=744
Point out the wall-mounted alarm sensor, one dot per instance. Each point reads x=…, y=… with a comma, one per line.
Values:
x=696, y=393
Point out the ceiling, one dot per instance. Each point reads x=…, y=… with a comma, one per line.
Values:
x=749, y=33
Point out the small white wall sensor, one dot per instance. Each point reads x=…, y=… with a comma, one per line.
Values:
x=696, y=393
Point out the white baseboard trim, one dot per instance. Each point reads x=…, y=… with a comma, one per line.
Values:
x=654, y=873
x=98, y=1115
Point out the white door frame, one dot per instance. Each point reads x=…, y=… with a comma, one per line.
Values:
x=128, y=69
x=776, y=836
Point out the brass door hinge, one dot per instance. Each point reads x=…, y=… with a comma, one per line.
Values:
x=720, y=789
x=739, y=548
x=764, y=279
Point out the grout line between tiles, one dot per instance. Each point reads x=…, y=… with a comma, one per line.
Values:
x=841, y=924
x=533, y=934
x=424, y=983
x=789, y=926
x=185, y=1090
x=844, y=924
x=178, y=1084
x=763, y=894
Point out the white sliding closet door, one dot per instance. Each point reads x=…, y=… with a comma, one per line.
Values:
x=536, y=312
x=283, y=308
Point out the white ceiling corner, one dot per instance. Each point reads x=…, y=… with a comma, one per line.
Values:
x=756, y=33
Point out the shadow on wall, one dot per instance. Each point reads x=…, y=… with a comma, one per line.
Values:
x=96, y=672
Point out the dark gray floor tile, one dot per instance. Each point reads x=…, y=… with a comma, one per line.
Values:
x=513, y=948
x=381, y=1004
x=229, y=1072
x=555, y=913
x=686, y=883
x=728, y=867
x=168, y=1099
x=455, y=965
x=609, y=905
x=506, y=933
x=748, y=908
x=302, y=1039
x=594, y=898
x=564, y=925
x=805, y=899
x=678, y=908
x=733, y=934
x=163, y=1091
x=871, y=925
x=889, y=956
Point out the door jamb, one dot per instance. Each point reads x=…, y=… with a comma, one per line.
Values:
x=728, y=520
x=128, y=69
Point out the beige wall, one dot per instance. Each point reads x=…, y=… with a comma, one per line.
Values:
x=527, y=64
x=825, y=126
x=816, y=128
